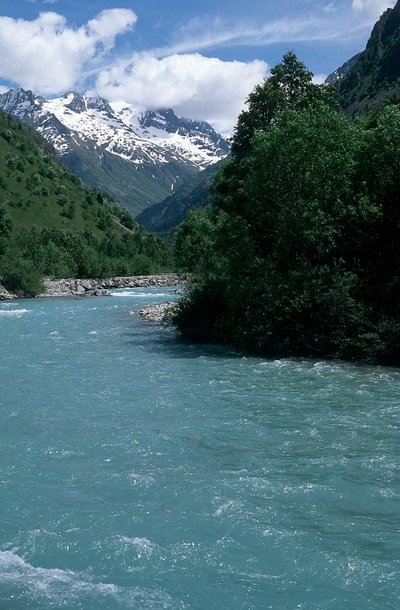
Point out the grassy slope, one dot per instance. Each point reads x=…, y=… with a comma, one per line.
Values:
x=35, y=188
x=38, y=193
x=130, y=185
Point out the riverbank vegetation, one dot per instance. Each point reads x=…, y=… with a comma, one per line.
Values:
x=52, y=225
x=300, y=253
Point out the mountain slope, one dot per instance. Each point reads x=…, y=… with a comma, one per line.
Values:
x=137, y=158
x=163, y=217
x=375, y=76
x=51, y=224
x=341, y=72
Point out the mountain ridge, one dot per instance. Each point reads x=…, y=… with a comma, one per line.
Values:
x=137, y=157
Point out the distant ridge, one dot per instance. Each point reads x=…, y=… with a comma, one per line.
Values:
x=163, y=217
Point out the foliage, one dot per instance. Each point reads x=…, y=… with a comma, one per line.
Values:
x=290, y=85
x=194, y=243
x=302, y=247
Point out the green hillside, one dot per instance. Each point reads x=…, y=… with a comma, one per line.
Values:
x=163, y=217
x=52, y=225
x=121, y=179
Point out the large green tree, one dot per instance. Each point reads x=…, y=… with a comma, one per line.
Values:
x=295, y=212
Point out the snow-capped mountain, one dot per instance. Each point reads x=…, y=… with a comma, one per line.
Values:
x=139, y=157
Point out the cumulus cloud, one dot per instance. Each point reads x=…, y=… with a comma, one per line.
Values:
x=51, y=56
x=200, y=87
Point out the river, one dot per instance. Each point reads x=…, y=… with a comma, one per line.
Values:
x=141, y=472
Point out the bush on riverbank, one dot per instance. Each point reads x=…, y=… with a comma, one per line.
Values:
x=302, y=245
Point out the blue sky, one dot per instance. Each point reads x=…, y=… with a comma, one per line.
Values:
x=201, y=57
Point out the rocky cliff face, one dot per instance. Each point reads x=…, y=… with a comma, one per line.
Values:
x=137, y=157
x=375, y=75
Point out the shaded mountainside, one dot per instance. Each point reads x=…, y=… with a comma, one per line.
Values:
x=164, y=217
x=338, y=74
x=138, y=158
x=51, y=224
x=375, y=76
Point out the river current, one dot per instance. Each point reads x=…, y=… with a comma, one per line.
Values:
x=141, y=472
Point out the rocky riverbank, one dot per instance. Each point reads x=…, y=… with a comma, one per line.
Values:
x=102, y=287
x=156, y=313
x=6, y=295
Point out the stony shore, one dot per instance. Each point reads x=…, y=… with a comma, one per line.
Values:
x=5, y=294
x=102, y=287
x=98, y=287
x=156, y=313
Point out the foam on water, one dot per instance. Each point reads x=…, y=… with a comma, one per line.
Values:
x=45, y=581
x=66, y=587
x=140, y=295
x=136, y=541
x=230, y=507
x=141, y=479
x=13, y=312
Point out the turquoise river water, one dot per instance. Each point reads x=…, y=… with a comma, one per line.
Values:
x=138, y=471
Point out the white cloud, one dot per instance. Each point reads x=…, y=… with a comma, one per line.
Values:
x=319, y=79
x=330, y=8
x=373, y=8
x=52, y=56
x=204, y=33
x=196, y=86
x=3, y=89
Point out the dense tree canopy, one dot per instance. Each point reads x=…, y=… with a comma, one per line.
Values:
x=303, y=241
x=290, y=85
